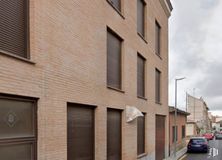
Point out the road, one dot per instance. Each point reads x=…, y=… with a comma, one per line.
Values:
x=215, y=152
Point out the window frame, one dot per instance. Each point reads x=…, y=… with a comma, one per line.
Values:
x=144, y=135
x=183, y=129
x=118, y=10
x=139, y=56
x=143, y=34
x=158, y=86
x=26, y=139
x=157, y=38
x=121, y=130
x=26, y=57
x=120, y=89
x=175, y=136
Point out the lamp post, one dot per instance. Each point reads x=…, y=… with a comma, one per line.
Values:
x=175, y=116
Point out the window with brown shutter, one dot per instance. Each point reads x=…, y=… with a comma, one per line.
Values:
x=141, y=17
x=157, y=38
x=175, y=133
x=113, y=60
x=114, y=134
x=18, y=123
x=116, y=4
x=140, y=135
x=140, y=76
x=183, y=131
x=80, y=137
x=157, y=86
x=14, y=27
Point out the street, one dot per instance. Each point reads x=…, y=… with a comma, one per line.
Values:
x=213, y=154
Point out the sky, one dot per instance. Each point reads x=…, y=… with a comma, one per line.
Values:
x=195, y=52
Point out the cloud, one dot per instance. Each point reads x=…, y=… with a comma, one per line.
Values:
x=196, y=50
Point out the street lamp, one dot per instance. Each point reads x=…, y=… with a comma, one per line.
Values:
x=175, y=116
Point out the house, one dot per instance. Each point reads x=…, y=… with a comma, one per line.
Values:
x=177, y=129
x=68, y=70
x=198, y=110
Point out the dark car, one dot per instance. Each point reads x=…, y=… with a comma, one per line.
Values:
x=198, y=144
x=218, y=136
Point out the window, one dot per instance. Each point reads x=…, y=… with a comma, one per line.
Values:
x=113, y=60
x=174, y=134
x=141, y=17
x=80, y=136
x=140, y=76
x=183, y=131
x=140, y=135
x=157, y=38
x=18, y=128
x=14, y=27
x=114, y=134
x=116, y=4
x=157, y=86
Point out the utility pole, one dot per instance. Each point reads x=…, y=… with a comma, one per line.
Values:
x=175, y=117
x=194, y=101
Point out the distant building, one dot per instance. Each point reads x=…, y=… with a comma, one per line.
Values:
x=191, y=129
x=217, y=126
x=180, y=128
x=198, y=110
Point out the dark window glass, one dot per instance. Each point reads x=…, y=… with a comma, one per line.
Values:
x=116, y=4
x=157, y=38
x=18, y=128
x=80, y=132
x=175, y=133
x=113, y=134
x=183, y=131
x=140, y=76
x=141, y=17
x=14, y=27
x=113, y=60
x=140, y=135
x=17, y=118
x=16, y=151
x=157, y=86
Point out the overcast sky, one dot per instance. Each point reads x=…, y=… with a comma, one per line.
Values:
x=195, y=51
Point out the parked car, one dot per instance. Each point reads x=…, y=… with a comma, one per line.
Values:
x=208, y=136
x=218, y=136
x=198, y=144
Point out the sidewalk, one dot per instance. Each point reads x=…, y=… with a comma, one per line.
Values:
x=179, y=154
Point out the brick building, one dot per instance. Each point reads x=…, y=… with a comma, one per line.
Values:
x=178, y=131
x=69, y=68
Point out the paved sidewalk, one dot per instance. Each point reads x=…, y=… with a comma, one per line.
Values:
x=179, y=154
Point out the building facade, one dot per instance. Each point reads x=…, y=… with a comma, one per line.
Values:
x=69, y=68
x=198, y=110
x=177, y=133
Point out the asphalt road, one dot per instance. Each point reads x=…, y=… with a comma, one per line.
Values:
x=215, y=152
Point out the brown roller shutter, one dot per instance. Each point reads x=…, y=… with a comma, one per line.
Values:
x=113, y=60
x=157, y=86
x=141, y=17
x=80, y=132
x=140, y=76
x=160, y=137
x=157, y=35
x=13, y=26
x=113, y=134
x=140, y=135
